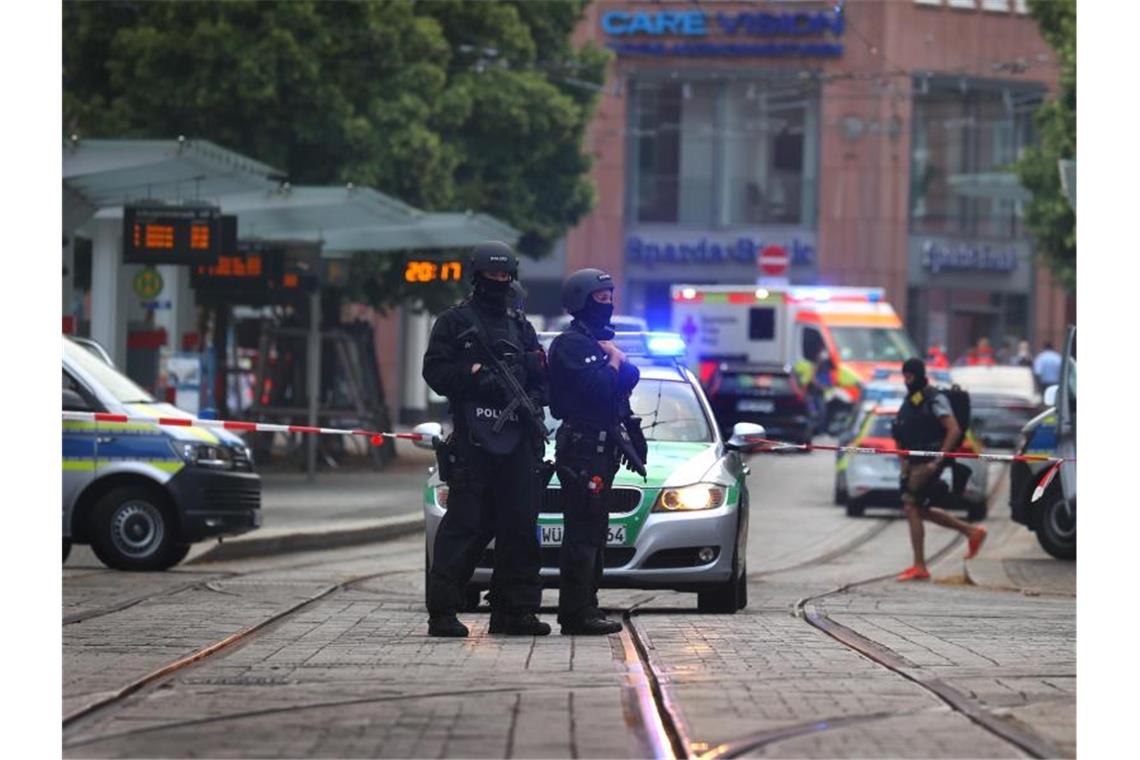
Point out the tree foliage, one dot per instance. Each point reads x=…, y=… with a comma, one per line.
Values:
x=1048, y=215
x=445, y=104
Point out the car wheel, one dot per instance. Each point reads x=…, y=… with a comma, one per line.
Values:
x=471, y=595
x=132, y=529
x=1057, y=528
x=840, y=496
x=66, y=548
x=742, y=589
x=427, y=573
x=854, y=508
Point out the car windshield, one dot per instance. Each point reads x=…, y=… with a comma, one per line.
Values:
x=119, y=386
x=1008, y=381
x=880, y=426
x=669, y=411
x=872, y=344
x=745, y=381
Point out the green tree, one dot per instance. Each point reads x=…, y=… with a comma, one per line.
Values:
x=445, y=105
x=1048, y=215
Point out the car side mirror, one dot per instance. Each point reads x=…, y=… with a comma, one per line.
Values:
x=742, y=435
x=1051, y=395
x=73, y=402
x=429, y=433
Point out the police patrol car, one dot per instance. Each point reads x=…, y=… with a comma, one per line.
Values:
x=685, y=527
x=139, y=493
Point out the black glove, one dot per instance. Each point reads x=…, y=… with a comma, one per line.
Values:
x=637, y=438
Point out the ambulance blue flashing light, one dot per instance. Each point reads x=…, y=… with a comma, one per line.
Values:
x=664, y=344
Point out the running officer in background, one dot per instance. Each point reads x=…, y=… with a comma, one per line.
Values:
x=492, y=464
x=925, y=422
x=590, y=384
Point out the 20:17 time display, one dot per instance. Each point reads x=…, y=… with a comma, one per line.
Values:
x=433, y=271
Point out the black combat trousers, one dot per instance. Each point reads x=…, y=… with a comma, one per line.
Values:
x=489, y=496
x=586, y=476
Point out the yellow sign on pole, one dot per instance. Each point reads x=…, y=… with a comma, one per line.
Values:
x=148, y=283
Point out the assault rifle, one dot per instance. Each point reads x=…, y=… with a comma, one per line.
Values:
x=519, y=400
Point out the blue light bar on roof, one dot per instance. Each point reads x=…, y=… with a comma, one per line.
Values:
x=664, y=344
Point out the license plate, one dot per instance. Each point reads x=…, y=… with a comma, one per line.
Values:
x=551, y=535
x=750, y=405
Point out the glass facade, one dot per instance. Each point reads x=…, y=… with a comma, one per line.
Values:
x=966, y=136
x=724, y=153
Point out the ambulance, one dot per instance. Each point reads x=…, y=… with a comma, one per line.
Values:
x=750, y=323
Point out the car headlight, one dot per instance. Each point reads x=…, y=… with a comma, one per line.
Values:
x=441, y=497
x=690, y=498
x=208, y=455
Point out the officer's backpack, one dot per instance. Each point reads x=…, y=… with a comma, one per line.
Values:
x=959, y=399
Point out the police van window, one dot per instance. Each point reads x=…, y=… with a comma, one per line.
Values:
x=119, y=386
x=670, y=411
x=762, y=324
x=811, y=343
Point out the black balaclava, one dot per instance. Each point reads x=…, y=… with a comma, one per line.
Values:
x=596, y=315
x=492, y=294
x=914, y=366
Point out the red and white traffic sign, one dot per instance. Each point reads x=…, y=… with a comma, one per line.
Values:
x=773, y=260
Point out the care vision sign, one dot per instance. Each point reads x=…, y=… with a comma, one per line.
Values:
x=697, y=32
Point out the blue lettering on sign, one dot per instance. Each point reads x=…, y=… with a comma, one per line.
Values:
x=961, y=257
x=695, y=23
x=743, y=250
x=687, y=24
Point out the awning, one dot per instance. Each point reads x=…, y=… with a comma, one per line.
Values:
x=443, y=230
x=101, y=173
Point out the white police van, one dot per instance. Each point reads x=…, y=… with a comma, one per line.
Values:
x=140, y=493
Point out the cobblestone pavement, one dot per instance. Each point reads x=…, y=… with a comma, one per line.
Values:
x=353, y=674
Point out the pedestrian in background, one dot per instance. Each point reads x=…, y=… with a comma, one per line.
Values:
x=490, y=464
x=925, y=422
x=1047, y=366
x=1023, y=357
x=936, y=357
x=590, y=386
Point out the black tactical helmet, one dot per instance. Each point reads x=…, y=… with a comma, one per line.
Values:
x=580, y=285
x=494, y=256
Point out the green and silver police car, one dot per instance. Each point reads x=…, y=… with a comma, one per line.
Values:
x=684, y=527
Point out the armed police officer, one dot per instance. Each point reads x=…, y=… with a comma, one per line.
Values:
x=590, y=385
x=486, y=359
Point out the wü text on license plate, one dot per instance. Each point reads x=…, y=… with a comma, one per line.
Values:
x=551, y=535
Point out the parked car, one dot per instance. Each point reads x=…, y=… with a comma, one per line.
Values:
x=1002, y=400
x=140, y=494
x=686, y=527
x=767, y=394
x=1053, y=517
x=872, y=480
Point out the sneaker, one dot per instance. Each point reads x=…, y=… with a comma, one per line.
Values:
x=974, y=542
x=590, y=626
x=446, y=625
x=913, y=573
x=526, y=624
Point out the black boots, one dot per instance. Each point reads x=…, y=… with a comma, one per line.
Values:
x=526, y=624
x=446, y=625
x=594, y=624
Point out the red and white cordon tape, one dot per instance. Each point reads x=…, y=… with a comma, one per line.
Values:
x=1038, y=492
x=375, y=437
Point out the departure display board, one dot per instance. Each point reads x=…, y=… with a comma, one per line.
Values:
x=424, y=271
x=161, y=234
x=257, y=274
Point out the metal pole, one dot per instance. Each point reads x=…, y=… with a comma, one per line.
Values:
x=313, y=382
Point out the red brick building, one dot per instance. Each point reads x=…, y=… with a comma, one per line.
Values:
x=872, y=144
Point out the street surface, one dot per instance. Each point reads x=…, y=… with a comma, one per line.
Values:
x=830, y=659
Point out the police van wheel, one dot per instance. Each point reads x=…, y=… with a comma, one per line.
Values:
x=132, y=529
x=854, y=509
x=976, y=511
x=1057, y=529
x=66, y=548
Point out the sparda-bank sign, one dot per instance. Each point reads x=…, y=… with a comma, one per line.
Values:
x=787, y=34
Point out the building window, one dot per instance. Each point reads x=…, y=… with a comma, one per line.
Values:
x=966, y=137
x=716, y=153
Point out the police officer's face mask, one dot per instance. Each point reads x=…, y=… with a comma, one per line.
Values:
x=596, y=315
x=914, y=383
x=492, y=293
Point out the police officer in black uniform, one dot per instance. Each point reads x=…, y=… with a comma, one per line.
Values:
x=492, y=464
x=590, y=384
